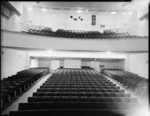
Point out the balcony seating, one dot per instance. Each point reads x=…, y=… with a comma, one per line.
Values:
x=80, y=34
x=82, y=92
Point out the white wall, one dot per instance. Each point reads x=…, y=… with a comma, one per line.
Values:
x=127, y=62
x=114, y=64
x=72, y=63
x=143, y=27
x=61, y=63
x=142, y=7
x=5, y=14
x=13, y=61
x=14, y=22
x=138, y=63
x=85, y=63
x=62, y=20
x=47, y=19
x=34, y=62
x=11, y=20
x=44, y=62
x=105, y=19
x=95, y=65
x=138, y=26
x=4, y=22
x=54, y=64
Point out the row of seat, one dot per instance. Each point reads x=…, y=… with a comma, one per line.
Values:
x=83, y=67
x=80, y=98
x=132, y=81
x=16, y=84
x=76, y=91
x=75, y=105
x=73, y=112
x=101, y=94
x=86, y=67
x=83, y=87
x=81, y=34
x=76, y=85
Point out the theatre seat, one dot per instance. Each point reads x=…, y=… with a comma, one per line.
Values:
x=57, y=112
x=132, y=81
x=77, y=92
x=76, y=105
x=16, y=84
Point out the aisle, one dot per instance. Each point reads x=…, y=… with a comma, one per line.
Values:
x=24, y=97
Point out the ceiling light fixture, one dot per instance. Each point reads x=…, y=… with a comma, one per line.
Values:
x=124, y=13
x=108, y=52
x=50, y=51
x=29, y=8
x=113, y=12
x=78, y=11
x=44, y=9
x=130, y=13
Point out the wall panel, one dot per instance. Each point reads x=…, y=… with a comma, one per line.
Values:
x=72, y=63
x=13, y=61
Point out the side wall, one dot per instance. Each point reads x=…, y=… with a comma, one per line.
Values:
x=85, y=63
x=113, y=64
x=72, y=63
x=34, y=62
x=95, y=65
x=138, y=63
x=44, y=62
x=11, y=20
x=13, y=61
x=52, y=64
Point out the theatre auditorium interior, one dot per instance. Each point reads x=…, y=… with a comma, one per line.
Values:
x=74, y=58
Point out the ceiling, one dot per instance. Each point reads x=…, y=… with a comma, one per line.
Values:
x=86, y=5
x=90, y=6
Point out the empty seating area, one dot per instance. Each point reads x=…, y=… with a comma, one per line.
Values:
x=132, y=81
x=80, y=34
x=86, y=67
x=77, y=92
x=13, y=86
